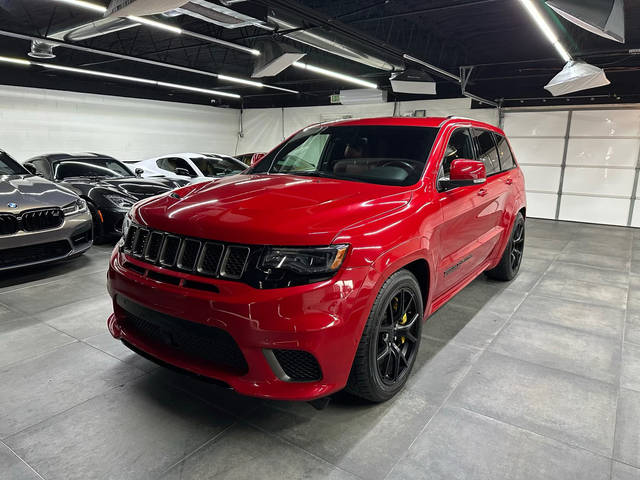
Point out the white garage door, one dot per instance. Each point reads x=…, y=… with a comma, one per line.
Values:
x=579, y=165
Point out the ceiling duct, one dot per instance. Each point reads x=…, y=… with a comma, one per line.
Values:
x=275, y=57
x=575, y=77
x=219, y=13
x=98, y=28
x=602, y=17
x=140, y=8
x=41, y=49
x=336, y=44
x=413, y=81
x=360, y=96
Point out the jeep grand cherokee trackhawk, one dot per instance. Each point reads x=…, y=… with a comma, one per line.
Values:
x=313, y=270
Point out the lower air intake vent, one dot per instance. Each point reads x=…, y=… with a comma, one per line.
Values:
x=299, y=366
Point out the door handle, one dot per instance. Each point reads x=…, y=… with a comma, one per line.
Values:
x=509, y=181
x=483, y=192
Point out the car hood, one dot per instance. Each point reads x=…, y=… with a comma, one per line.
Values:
x=270, y=209
x=30, y=191
x=131, y=186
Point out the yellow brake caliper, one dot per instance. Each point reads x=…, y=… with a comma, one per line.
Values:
x=403, y=322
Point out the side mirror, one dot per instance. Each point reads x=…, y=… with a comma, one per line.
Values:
x=183, y=172
x=465, y=173
x=31, y=168
x=139, y=171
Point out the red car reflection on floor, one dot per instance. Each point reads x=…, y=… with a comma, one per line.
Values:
x=314, y=270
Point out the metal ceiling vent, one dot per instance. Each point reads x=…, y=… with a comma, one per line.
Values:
x=276, y=57
x=602, y=17
x=139, y=8
x=413, y=81
x=41, y=49
x=575, y=77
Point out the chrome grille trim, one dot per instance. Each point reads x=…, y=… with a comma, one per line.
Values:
x=187, y=254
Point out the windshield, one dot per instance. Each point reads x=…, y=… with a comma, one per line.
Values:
x=390, y=155
x=90, y=167
x=8, y=166
x=217, y=167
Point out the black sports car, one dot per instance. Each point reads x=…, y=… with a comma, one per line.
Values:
x=108, y=186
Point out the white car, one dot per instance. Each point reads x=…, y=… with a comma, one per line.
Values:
x=193, y=167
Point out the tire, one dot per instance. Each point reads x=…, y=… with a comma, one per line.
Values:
x=395, y=318
x=511, y=260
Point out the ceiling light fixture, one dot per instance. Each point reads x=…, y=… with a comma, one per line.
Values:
x=86, y=5
x=115, y=76
x=546, y=29
x=154, y=24
x=332, y=74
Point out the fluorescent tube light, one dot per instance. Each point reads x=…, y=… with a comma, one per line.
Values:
x=332, y=74
x=546, y=29
x=197, y=89
x=85, y=5
x=240, y=80
x=126, y=78
x=154, y=24
x=17, y=61
x=95, y=73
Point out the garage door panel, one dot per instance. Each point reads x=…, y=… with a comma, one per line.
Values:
x=606, y=123
x=636, y=216
x=608, y=211
x=547, y=151
x=541, y=205
x=615, y=152
x=598, y=181
x=536, y=124
x=546, y=179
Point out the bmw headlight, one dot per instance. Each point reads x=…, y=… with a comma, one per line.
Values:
x=314, y=262
x=118, y=201
x=74, y=208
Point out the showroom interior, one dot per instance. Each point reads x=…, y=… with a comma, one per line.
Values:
x=536, y=377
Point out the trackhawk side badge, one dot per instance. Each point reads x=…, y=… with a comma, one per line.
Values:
x=457, y=265
x=12, y=205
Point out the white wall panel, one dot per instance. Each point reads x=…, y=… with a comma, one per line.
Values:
x=598, y=181
x=636, y=215
x=546, y=179
x=606, y=123
x=541, y=205
x=262, y=129
x=534, y=150
x=35, y=121
x=619, y=152
x=609, y=211
x=536, y=124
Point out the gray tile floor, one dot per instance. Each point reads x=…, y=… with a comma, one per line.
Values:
x=537, y=379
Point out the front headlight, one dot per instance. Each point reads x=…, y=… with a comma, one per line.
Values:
x=119, y=201
x=74, y=208
x=305, y=261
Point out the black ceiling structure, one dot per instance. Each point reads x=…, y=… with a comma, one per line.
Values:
x=511, y=59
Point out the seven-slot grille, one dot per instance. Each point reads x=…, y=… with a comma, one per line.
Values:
x=202, y=257
x=31, y=221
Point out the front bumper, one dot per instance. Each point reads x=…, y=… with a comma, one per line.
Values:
x=24, y=249
x=324, y=319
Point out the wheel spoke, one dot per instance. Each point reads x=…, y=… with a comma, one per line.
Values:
x=409, y=324
x=396, y=363
x=384, y=354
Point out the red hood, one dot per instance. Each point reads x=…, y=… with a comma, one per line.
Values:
x=271, y=209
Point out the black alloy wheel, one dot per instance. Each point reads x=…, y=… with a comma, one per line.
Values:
x=397, y=337
x=511, y=260
x=390, y=341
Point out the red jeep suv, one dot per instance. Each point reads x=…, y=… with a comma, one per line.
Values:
x=314, y=270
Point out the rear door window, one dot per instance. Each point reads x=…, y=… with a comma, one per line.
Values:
x=506, y=155
x=487, y=151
